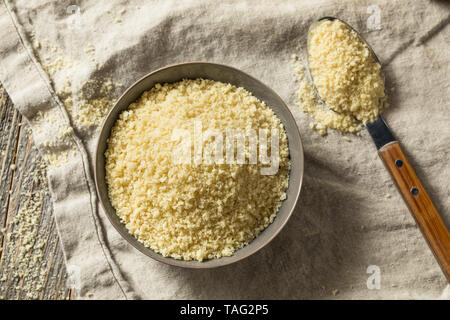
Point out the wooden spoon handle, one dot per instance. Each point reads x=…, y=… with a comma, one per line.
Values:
x=419, y=203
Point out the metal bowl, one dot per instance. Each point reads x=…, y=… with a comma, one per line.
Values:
x=217, y=72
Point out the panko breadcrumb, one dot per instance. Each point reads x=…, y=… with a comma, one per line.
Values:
x=347, y=78
x=324, y=117
x=188, y=211
x=345, y=73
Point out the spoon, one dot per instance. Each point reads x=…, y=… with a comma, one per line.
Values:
x=408, y=184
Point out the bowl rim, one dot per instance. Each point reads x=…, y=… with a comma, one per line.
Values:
x=179, y=262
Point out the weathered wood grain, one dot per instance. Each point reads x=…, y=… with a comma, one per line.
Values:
x=31, y=259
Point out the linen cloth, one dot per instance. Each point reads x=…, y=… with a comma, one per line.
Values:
x=350, y=221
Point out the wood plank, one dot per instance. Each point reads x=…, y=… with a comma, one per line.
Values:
x=31, y=259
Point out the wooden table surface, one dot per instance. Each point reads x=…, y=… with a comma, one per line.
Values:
x=31, y=259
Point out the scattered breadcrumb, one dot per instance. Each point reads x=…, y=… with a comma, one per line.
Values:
x=91, y=103
x=189, y=211
x=87, y=103
x=51, y=66
x=58, y=141
x=90, y=51
x=26, y=267
x=89, y=48
x=52, y=57
x=92, y=111
x=94, y=106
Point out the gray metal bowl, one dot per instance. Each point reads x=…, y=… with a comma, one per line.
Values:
x=217, y=72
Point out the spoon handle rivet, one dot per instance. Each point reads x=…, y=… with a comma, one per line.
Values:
x=414, y=191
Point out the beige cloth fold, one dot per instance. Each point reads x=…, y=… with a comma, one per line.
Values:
x=349, y=217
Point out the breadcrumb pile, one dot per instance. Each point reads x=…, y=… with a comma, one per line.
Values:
x=91, y=104
x=188, y=211
x=324, y=118
x=347, y=77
